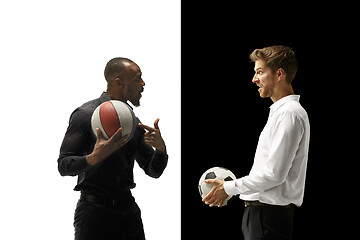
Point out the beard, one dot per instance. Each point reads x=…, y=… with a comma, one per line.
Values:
x=266, y=91
x=135, y=102
x=135, y=96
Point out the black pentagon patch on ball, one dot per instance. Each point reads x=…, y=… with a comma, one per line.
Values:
x=228, y=179
x=224, y=168
x=210, y=175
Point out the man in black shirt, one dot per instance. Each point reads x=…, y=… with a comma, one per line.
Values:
x=106, y=209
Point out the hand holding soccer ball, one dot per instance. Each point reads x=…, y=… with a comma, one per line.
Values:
x=211, y=186
x=217, y=194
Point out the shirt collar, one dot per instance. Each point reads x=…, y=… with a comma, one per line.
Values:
x=104, y=98
x=275, y=106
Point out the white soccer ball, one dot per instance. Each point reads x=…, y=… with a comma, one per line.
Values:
x=215, y=173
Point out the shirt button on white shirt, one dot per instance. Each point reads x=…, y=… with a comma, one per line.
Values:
x=278, y=173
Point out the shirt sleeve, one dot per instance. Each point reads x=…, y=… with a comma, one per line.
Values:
x=153, y=162
x=73, y=150
x=283, y=144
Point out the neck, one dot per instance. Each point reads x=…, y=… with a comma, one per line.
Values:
x=114, y=95
x=286, y=91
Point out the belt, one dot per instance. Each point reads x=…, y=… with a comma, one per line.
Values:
x=257, y=203
x=119, y=203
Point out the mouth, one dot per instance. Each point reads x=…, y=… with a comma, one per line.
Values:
x=260, y=88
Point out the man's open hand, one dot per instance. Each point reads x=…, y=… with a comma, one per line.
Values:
x=104, y=148
x=217, y=194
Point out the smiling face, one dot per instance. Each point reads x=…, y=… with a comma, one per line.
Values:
x=264, y=78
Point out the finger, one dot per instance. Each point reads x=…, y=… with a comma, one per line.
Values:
x=149, y=139
x=119, y=139
x=126, y=137
x=210, y=194
x=117, y=134
x=221, y=203
x=150, y=129
x=213, y=204
x=210, y=181
x=211, y=201
x=208, y=198
x=156, y=124
x=98, y=134
x=215, y=201
x=153, y=133
x=122, y=141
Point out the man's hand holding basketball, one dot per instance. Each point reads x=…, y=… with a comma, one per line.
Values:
x=153, y=136
x=104, y=148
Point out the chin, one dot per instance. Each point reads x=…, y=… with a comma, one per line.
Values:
x=135, y=102
x=264, y=94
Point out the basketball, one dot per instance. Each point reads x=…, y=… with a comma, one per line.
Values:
x=110, y=116
x=215, y=173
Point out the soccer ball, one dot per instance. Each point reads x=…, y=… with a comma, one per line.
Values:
x=215, y=173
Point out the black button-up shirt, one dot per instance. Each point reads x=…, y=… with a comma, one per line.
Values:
x=114, y=175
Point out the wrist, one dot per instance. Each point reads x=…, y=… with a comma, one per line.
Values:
x=93, y=158
x=90, y=159
x=161, y=149
x=99, y=153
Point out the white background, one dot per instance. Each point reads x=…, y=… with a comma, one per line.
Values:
x=52, y=57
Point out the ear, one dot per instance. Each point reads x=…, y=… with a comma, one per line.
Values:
x=280, y=74
x=119, y=82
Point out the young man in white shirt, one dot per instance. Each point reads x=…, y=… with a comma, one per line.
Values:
x=276, y=181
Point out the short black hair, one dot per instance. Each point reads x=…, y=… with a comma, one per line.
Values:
x=114, y=67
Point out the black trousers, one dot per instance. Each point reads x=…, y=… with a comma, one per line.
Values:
x=94, y=221
x=268, y=222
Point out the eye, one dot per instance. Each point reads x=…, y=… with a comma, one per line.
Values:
x=260, y=72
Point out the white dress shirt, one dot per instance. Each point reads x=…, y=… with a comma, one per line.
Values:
x=277, y=176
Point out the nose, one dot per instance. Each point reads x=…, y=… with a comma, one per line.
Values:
x=142, y=82
x=255, y=79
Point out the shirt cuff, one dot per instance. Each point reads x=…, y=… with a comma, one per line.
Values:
x=230, y=188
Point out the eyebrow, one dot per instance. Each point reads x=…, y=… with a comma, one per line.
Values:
x=258, y=69
x=138, y=75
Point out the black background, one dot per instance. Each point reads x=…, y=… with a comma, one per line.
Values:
x=223, y=115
